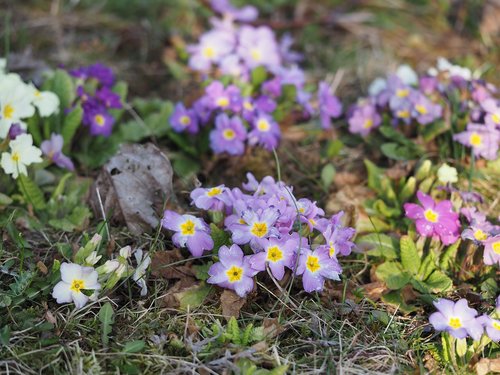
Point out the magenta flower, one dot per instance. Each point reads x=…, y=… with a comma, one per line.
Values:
x=364, y=118
x=315, y=266
x=434, y=219
x=491, y=253
x=53, y=150
x=483, y=139
x=190, y=232
x=458, y=319
x=108, y=98
x=278, y=254
x=233, y=271
x=228, y=136
x=209, y=199
x=492, y=327
x=329, y=105
x=266, y=132
x=183, y=119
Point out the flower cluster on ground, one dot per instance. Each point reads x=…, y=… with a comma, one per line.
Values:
x=270, y=229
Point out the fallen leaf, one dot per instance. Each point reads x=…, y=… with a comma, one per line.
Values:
x=186, y=293
x=169, y=265
x=42, y=267
x=50, y=317
x=272, y=327
x=347, y=178
x=231, y=303
x=133, y=187
x=486, y=366
x=375, y=290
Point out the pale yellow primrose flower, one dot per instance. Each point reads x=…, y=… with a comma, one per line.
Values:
x=22, y=153
x=447, y=174
x=75, y=279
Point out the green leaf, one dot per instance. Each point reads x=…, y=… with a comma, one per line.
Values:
x=431, y=131
x=62, y=85
x=259, y=75
x=448, y=256
x=427, y=266
x=185, y=166
x=219, y=236
x=327, y=175
x=234, y=331
x=396, y=152
x=193, y=297
x=5, y=200
x=393, y=275
x=31, y=192
x=334, y=147
x=134, y=346
x=5, y=335
x=371, y=224
x=107, y=319
x=410, y=259
x=201, y=271
x=71, y=124
x=247, y=335
x=382, y=245
x=438, y=282
x=381, y=207
x=394, y=298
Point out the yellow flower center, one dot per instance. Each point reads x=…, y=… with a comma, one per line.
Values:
x=187, y=228
x=274, y=254
x=302, y=210
x=259, y=229
x=15, y=156
x=402, y=93
x=475, y=139
x=421, y=109
x=256, y=54
x=208, y=52
x=431, y=216
x=368, y=123
x=228, y=134
x=99, y=119
x=37, y=93
x=248, y=106
x=312, y=221
x=496, y=118
x=455, y=323
x=223, y=102
x=214, y=191
x=480, y=235
x=332, y=249
x=241, y=221
x=263, y=125
x=234, y=274
x=496, y=325
x=403, y=113
x=312, y=263
x=77, y=285
x=185, y=120
x=496, y=247
x=8, y=111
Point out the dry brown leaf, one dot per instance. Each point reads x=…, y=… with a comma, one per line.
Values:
x=375, y=290
x=133, y=187
x=42, y=267
x=50, y=317
x=272, y=327
x=169, y=265
x=171, y=299
x=487, y=366
x=231, y=303
x=342, y=179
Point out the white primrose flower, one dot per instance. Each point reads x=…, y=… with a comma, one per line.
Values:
x=407, y=75
x=109, y=267
x=46, y=102
x=443, y=65
x=93, y=258
x=140, y=271
x=16, y=100
x=126, y=252
x=447, y=174
x=75, y=278
x=22, y=153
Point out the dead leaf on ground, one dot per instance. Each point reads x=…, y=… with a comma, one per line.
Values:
x=342, y=179
x=272, y=327
x=486, y=366
x=169, y=265
x=375, y=290
x=231, y=303
x=133, y=187
x=172, y=298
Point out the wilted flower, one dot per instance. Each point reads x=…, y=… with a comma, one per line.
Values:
x=190, y=231
x=434, y=219
x=458, y=319
x=143, y=261
x=75, y=279
x=233, y=271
